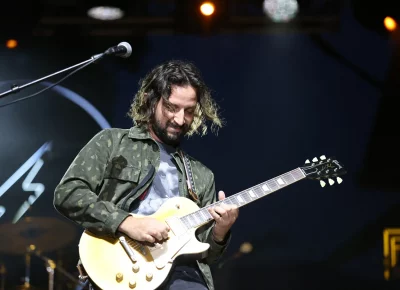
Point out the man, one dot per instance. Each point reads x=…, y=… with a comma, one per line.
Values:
x=134, y=171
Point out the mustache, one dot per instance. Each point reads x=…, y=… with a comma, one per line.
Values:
x=176, y=126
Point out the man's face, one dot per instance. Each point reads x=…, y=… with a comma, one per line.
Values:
x=172, y=119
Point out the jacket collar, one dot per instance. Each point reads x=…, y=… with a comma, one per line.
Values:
x=142, y=133
x=139, y=133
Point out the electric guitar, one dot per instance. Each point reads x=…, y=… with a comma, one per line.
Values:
x=124, y=263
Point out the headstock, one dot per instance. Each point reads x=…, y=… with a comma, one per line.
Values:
x=324, y=168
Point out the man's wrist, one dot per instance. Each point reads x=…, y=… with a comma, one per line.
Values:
x=217, y=238
x=124, y=225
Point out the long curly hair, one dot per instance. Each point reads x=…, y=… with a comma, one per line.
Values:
x=157, y=84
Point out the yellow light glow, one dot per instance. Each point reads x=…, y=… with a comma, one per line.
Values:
x=246, y=248
x=11, y=43
x=390, y=23
x=207, y=8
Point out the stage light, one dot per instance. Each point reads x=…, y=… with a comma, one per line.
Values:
x=246, y=248
x=390, y=23
x=280, y=10
x=105, y=13
x=11, y=43
x=207, y=8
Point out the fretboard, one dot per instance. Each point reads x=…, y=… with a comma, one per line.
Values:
x=202, y=216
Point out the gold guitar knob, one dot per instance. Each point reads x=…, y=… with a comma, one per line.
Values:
x=119, y=277
x=149, y=276
x=135, y=268
x=132, y=284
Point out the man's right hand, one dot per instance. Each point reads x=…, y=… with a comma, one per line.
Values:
x=144, y=229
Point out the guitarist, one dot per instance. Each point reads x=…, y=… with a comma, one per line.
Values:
x=134, y=171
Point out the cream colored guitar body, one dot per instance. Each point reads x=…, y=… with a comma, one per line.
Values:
x=110, y=266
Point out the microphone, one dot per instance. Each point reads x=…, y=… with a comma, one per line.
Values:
x=123, y=49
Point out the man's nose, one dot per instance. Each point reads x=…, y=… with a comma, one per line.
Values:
x=180, y=118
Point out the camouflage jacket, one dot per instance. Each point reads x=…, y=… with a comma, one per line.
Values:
x=114, y=169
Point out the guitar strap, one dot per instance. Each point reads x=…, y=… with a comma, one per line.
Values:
x=189, y=176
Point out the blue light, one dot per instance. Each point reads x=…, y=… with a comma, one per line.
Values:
x=35, y=162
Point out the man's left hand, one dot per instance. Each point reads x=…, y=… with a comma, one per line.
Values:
x=224, y=215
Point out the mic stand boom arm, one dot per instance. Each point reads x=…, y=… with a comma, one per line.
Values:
x=16, y=88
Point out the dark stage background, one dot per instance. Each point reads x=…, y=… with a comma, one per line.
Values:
x=286, y=97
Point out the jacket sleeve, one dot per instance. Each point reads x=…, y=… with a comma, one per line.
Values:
x=216, y=249
x=76, y=196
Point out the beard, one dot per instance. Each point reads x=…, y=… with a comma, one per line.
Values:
x=169, y=138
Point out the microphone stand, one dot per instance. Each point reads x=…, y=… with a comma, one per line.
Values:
x=16, y=88
x=3, y=273
x=50, y=265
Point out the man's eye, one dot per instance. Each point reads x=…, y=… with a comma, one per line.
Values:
x=170, y=108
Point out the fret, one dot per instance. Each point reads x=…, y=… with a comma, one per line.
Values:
x=258, y=190
x=288, y=178
x=228, y=201
x=297, y=174
x=185, y=222
x=240, y=199
x=203, y=215
x=246, y=197
x=235, y=201
x=252, y=194
x=207, y=214
x=197, y=218
x=280, y=182
x=273, y=185
x=192, y=221
x=266, y=188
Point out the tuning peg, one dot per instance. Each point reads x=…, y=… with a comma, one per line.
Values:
x=322, y=157
x=322, y=183
x=315, y=159
x=339, y=180
x=307, y=161
x=331, y=181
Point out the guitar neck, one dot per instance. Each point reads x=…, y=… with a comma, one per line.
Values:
x=202, y=216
